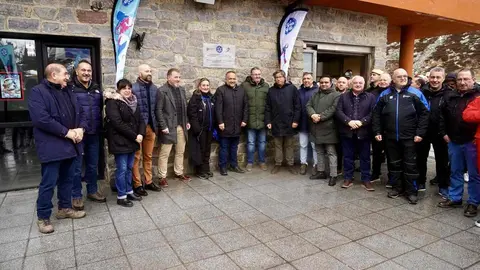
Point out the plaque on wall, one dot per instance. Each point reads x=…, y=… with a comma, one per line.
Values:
x=11, y=86
x=218, y=55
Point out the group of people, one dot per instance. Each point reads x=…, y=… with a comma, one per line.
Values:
x=339, y=122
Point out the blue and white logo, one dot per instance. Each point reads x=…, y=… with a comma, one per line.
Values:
x=4, y=52
x=219, y=49
x=126, y=2
x=291, y=23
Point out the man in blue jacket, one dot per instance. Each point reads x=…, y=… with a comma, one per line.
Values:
x=401, y=118
x=305, y=92
x=90, y=98
x=58, y=127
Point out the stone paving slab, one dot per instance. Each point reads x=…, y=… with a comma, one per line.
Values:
x=244, y=221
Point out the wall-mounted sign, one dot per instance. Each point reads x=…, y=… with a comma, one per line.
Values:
x=218, y=55
x=11, y=86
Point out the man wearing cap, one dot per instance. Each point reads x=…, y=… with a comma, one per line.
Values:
x=451, y=80
x=374, y=79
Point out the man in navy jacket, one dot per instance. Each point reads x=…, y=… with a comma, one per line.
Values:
x=58, y=127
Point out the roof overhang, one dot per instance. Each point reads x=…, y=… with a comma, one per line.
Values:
x=428, y=18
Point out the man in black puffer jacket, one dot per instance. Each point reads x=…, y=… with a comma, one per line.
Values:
x=401, y=118
x=231, y=109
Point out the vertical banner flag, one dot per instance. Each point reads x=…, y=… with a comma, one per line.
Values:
x=8, y=58
x=123, y=19
x=287, y=35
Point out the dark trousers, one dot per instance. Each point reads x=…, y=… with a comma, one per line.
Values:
x=339, y=149
x=402, y=165
x=350, y=147
x=205, y=141
x=228, y=151
x=442, y=169
x=60, y=174
x=378, y=156
x=91, y=147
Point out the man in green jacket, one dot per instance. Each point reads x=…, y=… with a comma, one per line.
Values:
x=257, y=90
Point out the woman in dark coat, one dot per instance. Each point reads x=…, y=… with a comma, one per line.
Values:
x=201, y=115
x=125, y=131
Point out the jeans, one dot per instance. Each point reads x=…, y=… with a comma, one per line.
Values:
x=60, y=174
x=463, y=156
x=228, y=152
x=304, y=143
x=123, y=174
x=330, y=151
x=91, y=146
x=258, y=137
x=350, y=147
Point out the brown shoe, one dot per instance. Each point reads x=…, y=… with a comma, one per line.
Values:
x=249, y=167
x=263, y=166
x=96, y=197
x=368, y=186
x=45, y=226
x=163, y=182
x=276, y=169
x=69, y=213
x=77, y=204
x=303, y=169
x=347, y=183
x=184, y=178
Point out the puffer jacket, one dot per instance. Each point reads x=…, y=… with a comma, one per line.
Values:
x=401, y=115
x=435, y=100
x=91, y=100
x=257, y=94
x=146, y=94
x=471, y=114
x=324, y=102
x=305, y=94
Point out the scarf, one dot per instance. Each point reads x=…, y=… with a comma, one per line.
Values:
x=131, y=102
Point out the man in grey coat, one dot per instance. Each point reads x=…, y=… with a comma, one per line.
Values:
x=321, y=110
x=172, y=122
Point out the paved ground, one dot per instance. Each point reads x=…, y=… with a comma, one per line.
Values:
x=247, y=221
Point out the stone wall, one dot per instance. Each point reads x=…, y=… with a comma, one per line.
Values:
x=176, y=30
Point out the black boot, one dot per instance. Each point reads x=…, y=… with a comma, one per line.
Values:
x=223, y=171
x=333, y=181
x=124, y=202
x=319, y=175
x=133, y=197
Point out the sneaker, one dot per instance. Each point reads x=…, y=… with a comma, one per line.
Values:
x=163, y=182
x=133, y=197
x=69, y=213
x=347, y=183
x=96, y=197
x=421, y=187
x=477, y=223
x=394, y=194
x=263, y=166
x=184, y=178
x=412, y=199
x=77, y=204
x=465, y=177
x=368, y=186
x=140, y=191
x=303, y=169
x=45, y=226
x=292, y=169
x=124, y=202
x=375, y=177
x=319, y=175
x=470, y=211
x=388, y=186
x=249, y=167
x=333, y=181
x=449, y=204
x=153, y=187
x=275, y=169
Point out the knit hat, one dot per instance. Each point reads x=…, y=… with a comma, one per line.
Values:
x=378, y=71
x=452, y=76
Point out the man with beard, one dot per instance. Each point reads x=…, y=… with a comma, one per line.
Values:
x=460, y=137
x=434, y=92
x=321, y=110
x=90, y=98
x=171, y=112
x=231, y=109
x=146, y=93
x=374, y=79
x=341, y=85
x=58, y=124
x=306, y=91
x=282, y=114
x=401, y=118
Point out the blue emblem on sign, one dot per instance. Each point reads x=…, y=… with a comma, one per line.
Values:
x=219, y=49
x=126, y=2
x=291, y=23
x=4, y=52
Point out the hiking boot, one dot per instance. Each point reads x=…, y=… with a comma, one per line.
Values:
x=77, y=204
x=449, y=204
x=292, y=169
x=163, y=182
x=375, y=177
x=263, y=166
x=347, y=183
x=184, y=178
x=124, y=202
x=276, y=169
x=133, y=197
x=69, y=213
x=202, y=176
x=368, y=186
x=470, y=211
x=236, y=169
x=140, y=191
x=333, y=181
x=96, y=197
x=319, y=175
x=303, y=169
x=223, y=171
x=412, y=199
x=153, y=187
x=249, y=167
x=394, y=194
x=45, y=226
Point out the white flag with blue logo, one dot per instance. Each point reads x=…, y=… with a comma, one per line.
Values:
x=289, y=29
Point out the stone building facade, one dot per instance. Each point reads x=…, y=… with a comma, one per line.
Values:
x=176, y=29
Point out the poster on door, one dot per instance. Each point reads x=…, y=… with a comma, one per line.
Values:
x=11, y=86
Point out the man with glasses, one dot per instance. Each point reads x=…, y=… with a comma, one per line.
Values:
x=460, y=137
x=401, y=118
